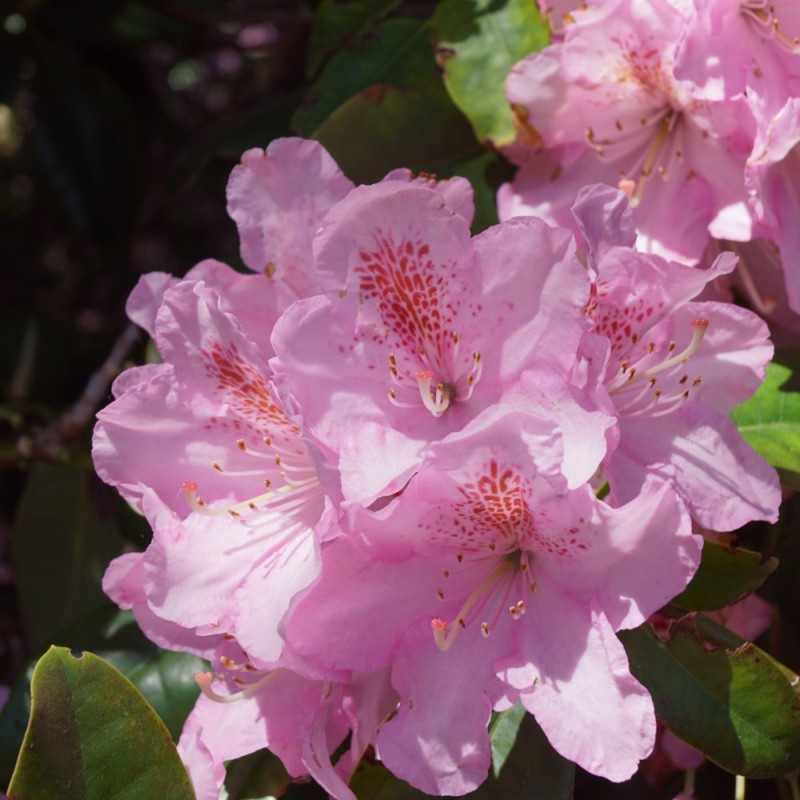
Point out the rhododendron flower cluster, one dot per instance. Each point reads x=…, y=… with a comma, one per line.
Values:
x=372, y=465
x=689, y=107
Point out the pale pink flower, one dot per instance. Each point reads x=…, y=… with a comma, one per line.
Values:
x=299, y=720
x=674, y=369
x=206, y=448
x=488, y=571
x=608, y=107
x=421, y=327
x=299, y=714
x=278, y=197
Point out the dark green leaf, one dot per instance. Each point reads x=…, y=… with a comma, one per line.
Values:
x=384, y=128
x=479, y=41
x=166, y=679
x=60, y=548
x=257, y=775
x=336, y=21
x=770, y=420
x=92, y=736
x=734, y=705
x=726, y=574
x=398, y=53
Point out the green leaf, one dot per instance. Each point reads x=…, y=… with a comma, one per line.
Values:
x=336, y=21
x=479, y=41
x=166, y=679
x=92, y=736
x=384, y=127
x=770, y=420
x=60, y=548
x=733, y=704
x=726, y=574
x=503, y=730
x=398, y=53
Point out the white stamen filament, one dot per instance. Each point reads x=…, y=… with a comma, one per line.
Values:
x=436, y=401
x=299, y=493
x=650, y=157
x=436, y=395
x=444, y=633
x=203, y=680
x=631, y=374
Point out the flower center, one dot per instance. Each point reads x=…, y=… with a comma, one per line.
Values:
x=656, y=384
x=436, y=392
x=505, y=587
x=655, y=158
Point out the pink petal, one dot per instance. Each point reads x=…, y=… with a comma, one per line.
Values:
x=438, y=740
x=574, y=677
x=278, y=198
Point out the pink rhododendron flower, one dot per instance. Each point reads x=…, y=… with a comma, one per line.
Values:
x=675, y=368
x=487, y=567
x=208, y=422
x=278, y=198
x=609, y=108
x=422, y=327
x=370, y=466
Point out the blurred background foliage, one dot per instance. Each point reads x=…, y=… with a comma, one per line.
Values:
x=119, y=124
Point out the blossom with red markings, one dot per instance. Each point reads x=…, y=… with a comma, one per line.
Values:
x=488, y=577
x=421, y=327
x=606, y=104
x=673, y=368
x=210, y=453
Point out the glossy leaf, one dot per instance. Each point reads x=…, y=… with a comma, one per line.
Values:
x=166, y=679
x=726, y=574
x=93, y=736
x=336, y=21
x=60, y=548
x=398, y=53
x=479, y=41
x=733, y=704
x=385, y=127
x=770, y=420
